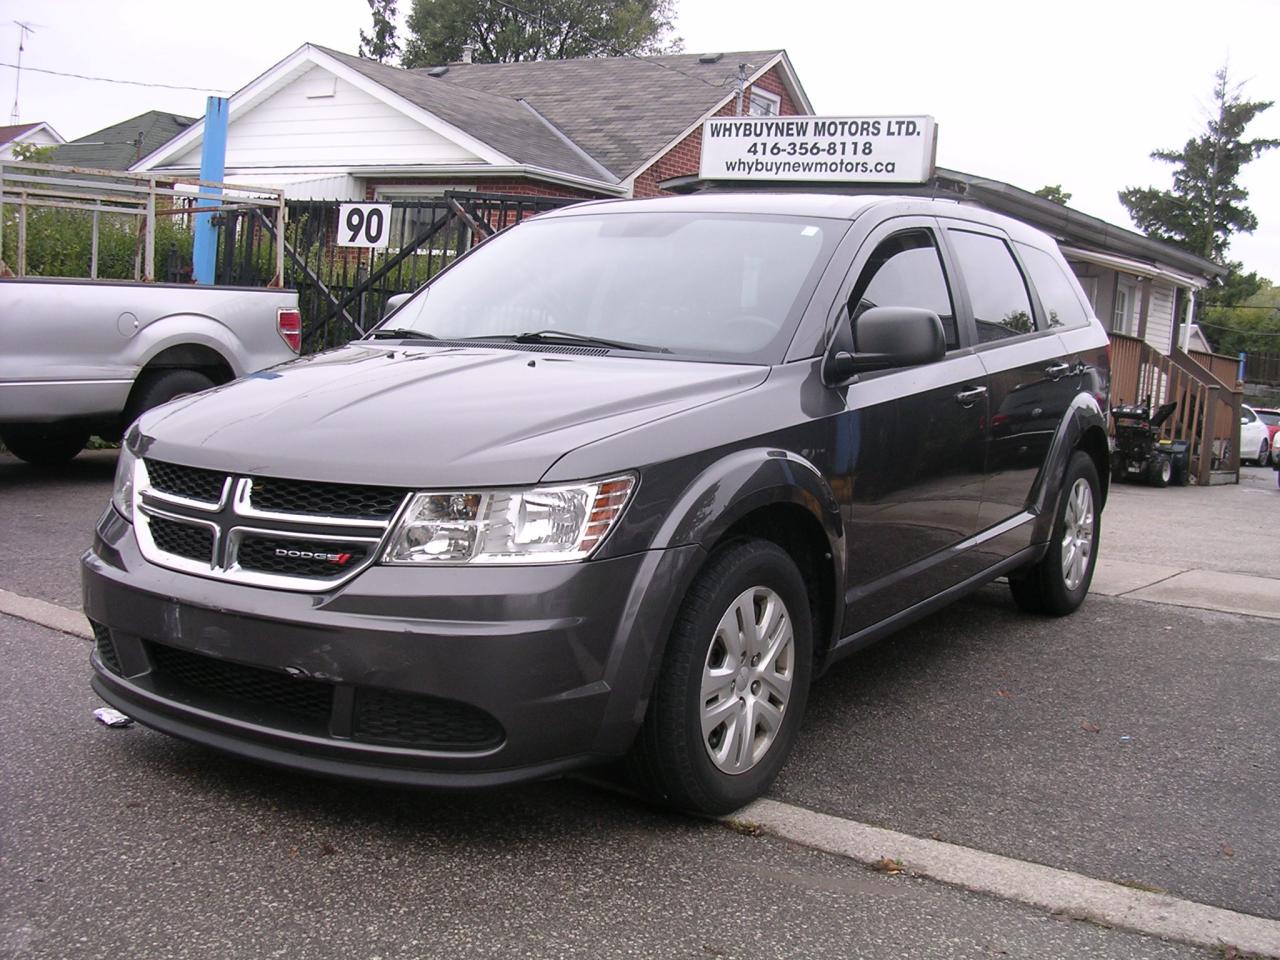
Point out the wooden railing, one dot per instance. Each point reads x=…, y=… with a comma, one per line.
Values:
x=1226, y=369
x=1208, y=412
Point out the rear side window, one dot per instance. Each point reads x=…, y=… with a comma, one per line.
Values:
x=906, y=271
x=1058, y=296
x=1001, y=304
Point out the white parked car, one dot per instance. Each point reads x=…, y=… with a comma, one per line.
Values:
x=1255, y=438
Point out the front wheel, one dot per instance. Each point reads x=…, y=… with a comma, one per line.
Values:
x=1264, y=454
x=1058, y=583
x=733, y=683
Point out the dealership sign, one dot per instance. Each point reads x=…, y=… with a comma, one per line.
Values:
x=859, y=149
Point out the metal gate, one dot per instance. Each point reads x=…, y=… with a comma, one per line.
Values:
x=343, y=291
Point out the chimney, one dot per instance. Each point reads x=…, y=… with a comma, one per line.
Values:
x=468, y=49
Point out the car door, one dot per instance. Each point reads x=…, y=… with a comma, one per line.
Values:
x=913, y=437
x=1030, y=378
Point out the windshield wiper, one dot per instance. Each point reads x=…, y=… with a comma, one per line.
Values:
x=399, y=333
x=567, y=336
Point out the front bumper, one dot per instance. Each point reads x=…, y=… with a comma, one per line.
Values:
x=453, y=677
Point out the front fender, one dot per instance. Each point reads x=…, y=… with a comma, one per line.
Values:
x=742, y=482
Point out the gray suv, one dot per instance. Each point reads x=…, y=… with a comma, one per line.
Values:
x=619, y=483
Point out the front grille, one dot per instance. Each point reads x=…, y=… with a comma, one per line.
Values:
x=182, y=539
x=383, y=716
x=221, y=679
x=299, y=558
x=106, y=648
x=190, y=482
x=325, y=499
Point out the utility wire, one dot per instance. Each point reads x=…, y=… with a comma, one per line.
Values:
x=132, y=83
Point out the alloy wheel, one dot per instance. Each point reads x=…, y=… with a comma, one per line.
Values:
x=1077, y=533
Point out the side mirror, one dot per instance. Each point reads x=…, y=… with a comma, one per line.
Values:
x=884, y=338
x=394, y=303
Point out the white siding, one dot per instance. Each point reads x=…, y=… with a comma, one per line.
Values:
x=1160, y=316
x=318, y=120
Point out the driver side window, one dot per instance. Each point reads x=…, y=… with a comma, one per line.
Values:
x=906, y=271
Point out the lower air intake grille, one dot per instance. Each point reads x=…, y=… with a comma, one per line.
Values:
x=190, y=482
x=222, y=679
x=382, y=716
x=106, y=649
x=182, y=539
x=299, y=558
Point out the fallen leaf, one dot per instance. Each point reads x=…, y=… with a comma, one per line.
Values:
x=1088, y=727
x=328, y=849
x=1003, y=693
x=888, y=866
x=1227, y=851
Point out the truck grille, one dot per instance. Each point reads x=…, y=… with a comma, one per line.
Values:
x=325, y=499
x=384, y=716
x=270, y=531
x=299, y=558
x=189, y=482
x=182, y=539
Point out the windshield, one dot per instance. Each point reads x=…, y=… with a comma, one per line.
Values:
x=725, y=287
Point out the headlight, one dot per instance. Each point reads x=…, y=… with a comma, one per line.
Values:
x=122, y=493
x=537, y=525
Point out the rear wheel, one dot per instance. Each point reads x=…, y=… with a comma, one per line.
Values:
x=733, y=684
x=1264, y=454
x=161, y=386
x=1059, y=582
x=44, y=444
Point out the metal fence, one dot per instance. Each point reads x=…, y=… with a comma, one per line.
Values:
x=1262, y=368
x=343, y=291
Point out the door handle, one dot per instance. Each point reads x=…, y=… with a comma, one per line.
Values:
x=967, y=398
x=1057, y=371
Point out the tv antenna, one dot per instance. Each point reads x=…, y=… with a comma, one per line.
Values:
x=23, y=30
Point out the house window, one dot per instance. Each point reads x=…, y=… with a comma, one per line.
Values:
x=764, y=104
x=1122, y=317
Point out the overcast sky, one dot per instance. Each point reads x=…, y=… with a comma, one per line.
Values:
x=1030, y=93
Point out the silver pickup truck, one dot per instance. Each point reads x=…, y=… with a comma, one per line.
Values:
x=86, y=357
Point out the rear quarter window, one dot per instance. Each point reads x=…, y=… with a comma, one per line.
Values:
x=1062, y=306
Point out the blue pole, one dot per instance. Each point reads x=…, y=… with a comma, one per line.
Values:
x=1240, y=375
x=213, y=163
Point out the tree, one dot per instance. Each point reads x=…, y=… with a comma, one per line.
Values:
x=1207, y=204
x=382, y=44
x=1252, y=326
x=504, y=32
x=1055, y=193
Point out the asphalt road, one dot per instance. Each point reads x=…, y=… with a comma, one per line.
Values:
x=126, y=843
x=1134, y=742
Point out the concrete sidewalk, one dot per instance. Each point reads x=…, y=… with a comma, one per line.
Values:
x=1204, y=547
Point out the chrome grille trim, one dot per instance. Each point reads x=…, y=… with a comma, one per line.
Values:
x=234, y=517
x=245, y=508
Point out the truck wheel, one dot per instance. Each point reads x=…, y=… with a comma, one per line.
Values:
x=161, y=386
x=1058, y=583
x=44, y=445
x=733, y=683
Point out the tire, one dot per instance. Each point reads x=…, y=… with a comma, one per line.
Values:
x=1119, y=469
x=1264, y=455
x=683, y=757
x=161, y=386
x=45, y=444
x=1057, y=584
x=1159, y=471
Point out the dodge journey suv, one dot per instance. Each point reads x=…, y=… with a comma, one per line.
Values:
x=621, y=482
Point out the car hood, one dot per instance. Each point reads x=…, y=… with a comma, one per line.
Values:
x=427, y=416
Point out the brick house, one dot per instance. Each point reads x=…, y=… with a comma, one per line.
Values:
x=321, y=124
